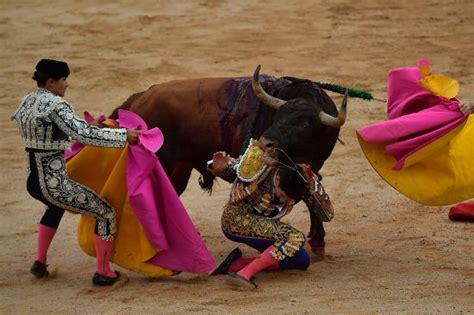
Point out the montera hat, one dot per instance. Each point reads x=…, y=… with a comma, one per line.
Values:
x=52, y=68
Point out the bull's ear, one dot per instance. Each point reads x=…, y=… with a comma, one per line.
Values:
x=263, y=96
x=335, y=122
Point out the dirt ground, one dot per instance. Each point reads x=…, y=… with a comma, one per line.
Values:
x=385, y=253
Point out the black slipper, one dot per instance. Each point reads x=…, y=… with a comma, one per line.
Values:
x=239, y=281
x=102, y=280
x=224, y=266
x=39, y=270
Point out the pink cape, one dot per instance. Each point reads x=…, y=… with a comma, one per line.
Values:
x=416, y=117
x=156, y=204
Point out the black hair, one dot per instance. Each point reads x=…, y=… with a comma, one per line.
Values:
x=40, y=78
x=292, y=182
x=49, y=68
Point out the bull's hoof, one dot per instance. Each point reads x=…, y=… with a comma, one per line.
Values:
x=315, y=241
x=319, y=252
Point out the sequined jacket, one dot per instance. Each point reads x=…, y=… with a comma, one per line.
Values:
x=253, y=185
x=48, y=122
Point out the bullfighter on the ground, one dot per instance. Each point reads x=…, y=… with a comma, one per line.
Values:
x=262, y=193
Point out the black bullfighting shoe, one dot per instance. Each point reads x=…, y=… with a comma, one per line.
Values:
x=102, y=280
x=224, y=266
x=39, y=270
x=236, y=280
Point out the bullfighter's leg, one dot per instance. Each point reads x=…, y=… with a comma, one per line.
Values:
x=46, y=231
x=298, y=261
x=47, y=227
x=278, y=243
x=48, y=182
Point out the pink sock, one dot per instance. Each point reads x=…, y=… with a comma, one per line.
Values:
x=264, y=261
x=240, y=263
x=103, y=251
x=244, y=261
x=45, y=237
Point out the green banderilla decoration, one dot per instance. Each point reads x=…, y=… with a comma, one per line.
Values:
x=352, y=92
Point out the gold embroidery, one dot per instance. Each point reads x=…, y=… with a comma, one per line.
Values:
x=251, y=164
x=240, y=221
x=252, y=211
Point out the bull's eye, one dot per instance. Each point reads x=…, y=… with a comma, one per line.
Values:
x=269, y=145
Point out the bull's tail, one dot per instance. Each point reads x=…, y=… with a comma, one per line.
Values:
x=207, y=182
x=126, y=105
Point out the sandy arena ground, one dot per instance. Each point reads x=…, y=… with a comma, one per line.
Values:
x=385, y=253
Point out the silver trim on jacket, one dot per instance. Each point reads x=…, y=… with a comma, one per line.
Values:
x=48, y=122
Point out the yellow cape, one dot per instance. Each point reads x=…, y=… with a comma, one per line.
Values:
x=441, y=173
x=104, y=171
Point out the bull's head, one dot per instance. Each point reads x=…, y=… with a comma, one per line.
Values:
x=301, y=129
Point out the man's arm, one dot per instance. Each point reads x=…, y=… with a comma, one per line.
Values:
x=77, y=128
x=223, y=166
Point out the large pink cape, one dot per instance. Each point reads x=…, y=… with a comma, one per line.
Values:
x=425, y=147
x=416, y=117
x=156, y=204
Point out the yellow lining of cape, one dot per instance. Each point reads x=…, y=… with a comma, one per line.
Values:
x=441, y=173
x=104, y=171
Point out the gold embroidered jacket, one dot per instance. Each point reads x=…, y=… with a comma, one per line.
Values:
x=254, y=186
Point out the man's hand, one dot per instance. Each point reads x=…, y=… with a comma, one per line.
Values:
x=467, y=108
x=219, y=162
x=132, y=136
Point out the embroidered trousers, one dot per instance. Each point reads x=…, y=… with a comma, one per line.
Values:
x=48, y=182
x=241, y=221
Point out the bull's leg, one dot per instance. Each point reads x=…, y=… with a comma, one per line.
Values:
x=316, y=236
x=180, y=176
x=178, y=173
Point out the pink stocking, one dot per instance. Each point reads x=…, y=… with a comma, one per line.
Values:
x=240, y=263
x=264, y=261
x=45, y=237
x=244, y=261
x=103, y=251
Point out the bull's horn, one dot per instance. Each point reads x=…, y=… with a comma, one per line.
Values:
x=263, y=96
x=334, y=122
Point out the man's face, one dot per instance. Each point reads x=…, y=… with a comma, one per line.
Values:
x=280, y=194
x=57, y=87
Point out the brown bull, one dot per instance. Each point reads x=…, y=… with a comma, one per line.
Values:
x=201, y=116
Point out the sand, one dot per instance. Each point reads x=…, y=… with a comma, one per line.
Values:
x=384, y=253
